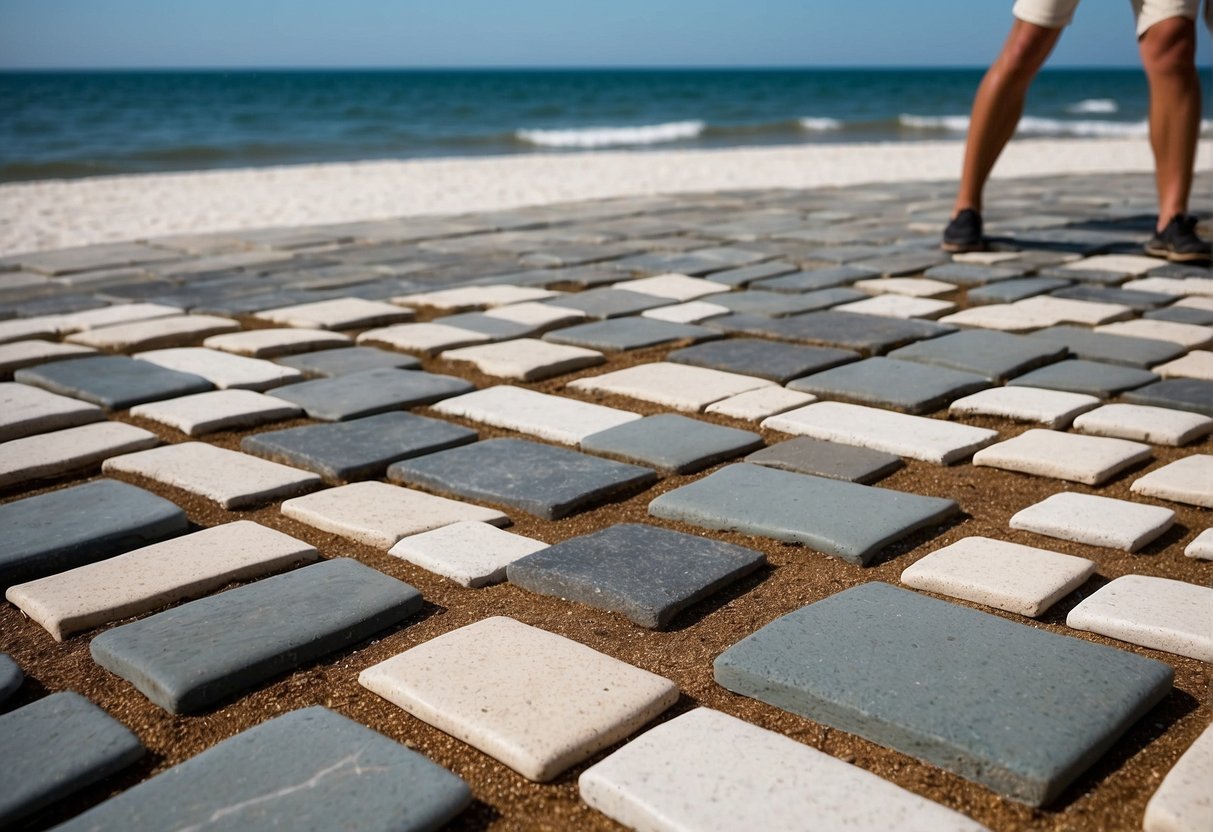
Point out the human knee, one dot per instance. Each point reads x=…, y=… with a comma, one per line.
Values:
x=1169, y=47
x=1025, y=51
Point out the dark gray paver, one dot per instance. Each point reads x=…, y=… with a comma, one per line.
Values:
x=764, y=359
x=749, y=274
x=11, y=677
x=608, y=303
x=903, y=263
x=89, y=258
x=629, y=333
x=360, y=448
x=191, y=656
x=1193, y=394
x=832, y=460
x=866, y=334
x=900, y=385
x=779, y=304
x=63, y=529
x=994, y=355
x=1031, y=711
x=1099, y=277
x=643, y=572
x=671, y=442
x=1095, y=378
x=1140, y=301
x=498, y=329
x=1109, y=348
x=369, y=392
x=1182, y=315
x=816, y=279
x=1009, y=291
x=971, y=274
x=346, y=360
x=538, y=479
x=56, y=746
x=851, y=521
x=309, y=769
x=114, y=382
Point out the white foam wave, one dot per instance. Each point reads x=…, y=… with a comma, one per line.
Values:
x=613, y=136
x=1037, y=126
x=820, y=123
x=1094, y=105
x=955, y=124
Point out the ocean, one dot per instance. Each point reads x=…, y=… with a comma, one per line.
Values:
x=76, y=124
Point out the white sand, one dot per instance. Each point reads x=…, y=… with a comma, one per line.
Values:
x=59, y=213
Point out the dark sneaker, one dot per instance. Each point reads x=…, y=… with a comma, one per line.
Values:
x=1178, y=241
x=964, y=233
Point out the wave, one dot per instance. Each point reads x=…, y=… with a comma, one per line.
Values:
x=1094, y=105
x=951, y=124
x=1037, y=126
x=589, y=137
x=820, y=124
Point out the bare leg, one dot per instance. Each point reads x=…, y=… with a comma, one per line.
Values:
x=1168, y=52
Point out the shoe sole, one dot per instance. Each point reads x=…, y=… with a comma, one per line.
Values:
x=1176, y=256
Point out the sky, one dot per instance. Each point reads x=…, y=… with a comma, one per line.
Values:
x=87, y=34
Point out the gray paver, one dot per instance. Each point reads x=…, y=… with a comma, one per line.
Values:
x=192, y=656
x=11, y=677
x=1112, y=349
x=901, y=385
x=994, y=355
x=750, y=274
x=1093, y=378
x=1182, y=315
x=629, y=333
x=539, y=479
x=114, y=382
x=815, y=279
x=1193, y=394
x=370, y=392
x=867, y=334
x=765, y=359
x=223, y=369
x=643, y=572
x=609, y=303
x=782, y=304
x=1139, y=301
x=804, y=455
x=1009, y=291
x=671, y=442
x=851, y=521
x=1025, y=741
x=340, y=362
x=971, y=274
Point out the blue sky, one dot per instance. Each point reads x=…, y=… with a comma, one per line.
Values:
x=500, y=33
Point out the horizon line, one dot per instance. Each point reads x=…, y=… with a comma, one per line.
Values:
x=548, y=68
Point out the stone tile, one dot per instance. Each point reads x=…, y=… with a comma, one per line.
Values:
x=691, y=312
x=68, y=451
x=757, y=405
x=1018, y=288
x=782, y=304
x=912, y=644
x=917, y=437
x=26, y=411
x=224, y=370
x=1110, y=348
x=1092, y=460
x=270, y=343
x=899, y=306
x=1197, y=364
x=764, y=359
x=146, y=579
x=1141, y=423
x=176, y=331
x=1182, y=799
x=24, y=329
x=119, y=313
x=1019, y=579
x=471, y=554
x=425, y=339
x=1186, y=335
x=643, y=572
x=89, y=258
x=815, y=279
x=984, y=257
x=1171, y=285
x=11, y=677
x=853, y=522
x=903, y=263
x=353, y=777
x=114, y=382
x=1092, y=378
x=63, y=743
x=673, y=385
x=217, y=410
x=1191, y=394
x=1137, y=301
x=749, y=274
x=915, y=287
x=1187, y=480
x=189, y=657
x=1127, y=264
x=670, y=442
x=969, y=274
x=367, y=393
x=867, y=334
x=1201, y=546
x=1180, y=314
x=19, y=354
x=230, y=478
x=994, y=355
x=340, y=362
x=538, y=317
x=497, y=328
x=338, y=313
x=629, y=334
x=1098, y=521
x=526, y=359
x=1001, y=317
x=827, y=459
x=535, y=701
x=1052, y=408
x=706, y=770
x=357, y=449
x=901, y=385
x=555, y=418
x=676, y=287
x=1158, y=613
x=476, y=297
x=609, y=303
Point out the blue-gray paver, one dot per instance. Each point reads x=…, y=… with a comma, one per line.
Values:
x=781, y=304
x=340, y=362
x=1094, y=378
x=765, y=359
x=630, y=333
x=971, y=274
x=11, y=677
x=1017, y=288
x=1182, y=315
x=114, y=382
x=750, y=274
x=815, y=280
x=608, y=303
x=994, y=355
x=370, y=392
x=866, y=334
x=886, y=382
x=1193, y=394
x=832, y=460
x=1136, y=300
x=671, y=442
x=1109, y=348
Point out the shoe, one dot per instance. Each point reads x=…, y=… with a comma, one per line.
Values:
x=1178, y=241
x=964, y=233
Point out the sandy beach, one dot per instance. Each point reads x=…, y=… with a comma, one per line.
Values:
x=52, y=214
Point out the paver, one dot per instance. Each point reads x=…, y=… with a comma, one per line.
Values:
x=476, y=297
x=1182, y=801
x=472, y=554
x=867, y=334
x=629, y=333
x=68, y=451
x=270, y=343
x=367, y=393
x=224, y=370
x=536, y=701
x=1009, y=576
x=189, y=657
x=18, y=354
x=1093, y=378
x=673, y=385
x=782, y=304
x=917, y=437
x=827, y=459
x=498, y=329
x=426, y=339
x=62, y=742
x=217, y=410
x=542, y=480
x=1187, y=480
x=1095, y=520
x=1178, y=314
x=338, y=313
x=539, y=317
x=1186, y=335
x=1092, y=460
x=526, y=359
x=677, y=287
x=100, y=256
x=145, y=579
x=359, y=448
x=671, y=442
x=1001, y=317
x=691, y=312
x=1191, y=394
x=26, y=410
x=814, y=279
x=994, y=355
x=1201, y=546
x=119, y=313
x=646, y=573
x=1053, y=408
x=1159, y=613
x=916, y=287
x=555, y=418
x=901, y=385
x=339, y=362
x=1059, y=310
x=903, y=263
x=1196, y=364
x=24, y=329
x=309, y=769
x=898, y=306
x=230, y=478
x=749, y=274
x=11, y=677
x=1137, y=301
x=1172, y=285
x=851, y=521
x=174, y=331
x=1155, y=425
x=765, y=359
x=1129, y=264
x=1114, y=349
x=705, y=770
x=971, y=273
x=114, y=382
x=609, y=303
x=912, y=644
x=756, y=405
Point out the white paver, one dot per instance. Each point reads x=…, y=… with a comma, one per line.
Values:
x=203, y=413
x=1195, y=302
x=20, y=354
x=535, y=701
x=677, y=287
x=1066, y=456
x=917, y=437
x=223, y=369
x=1172, y=285
x=1053, y=408
x=1187, y=480
x=526, y=359
x=759, y=404
x=1187, y=335
x=143, y=580
x=1201, y=546
x=380, y=514
x=230, y=478
x=1196, y=364
x=984, y=258
x=267, y=343
x=26, y=410
x=898, y=306
x=1184, y=801
x=1067, y=311
x=65, y=451
x=338, y=313
x=1019, y=579
x=424, y=339
x=691, y=312
x=476, y=297
x=1133, y=264
x=469, y=553
x=122, y=313
x=1159, y=613
x=1002, y=317
x=541, y=316
x=1098, y=521
x=556, y=418
x=915, y=287
x=43, y=327
x=706, y=771
x=1156, y=425
x=157, y=332
x=674, y=385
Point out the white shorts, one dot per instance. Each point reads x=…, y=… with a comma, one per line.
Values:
x=1054, y=14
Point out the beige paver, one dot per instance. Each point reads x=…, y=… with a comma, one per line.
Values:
x=1143, y=423
x=1184, y=801
x=1049, y=453
x=1160, y=613
x=170, y=331
x=425, y=339
x=27, y=410
x=1096, y=520
x=472, y=554
x=674, y=385
x=526, y=359
x=556, y=418
x=225, y=370
x=268, y=343
x=215, y=410
x=66, y=451
x=1187, y=480
x=337, y=313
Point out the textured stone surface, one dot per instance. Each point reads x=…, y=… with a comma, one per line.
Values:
x=867, y=334
x=340, y=362
x=1109, y=347
x=1053, y=408
x=1098, y=521
x=671, y=442
x=1092, y=460
x=1182, y=801
x=192, y=656
x=217, y=410
x=1189, y=336
x=1156, y=425
x=901, y=385
x=827, y=459
x=1201, y=546
x=470, y=553
x=814, y=279
x=121, y=313
x=338, y=313
x=691, y=312
x=526, y=359
x=27, y=410
x=1197, y=364
x=20, y=354
x=899, y=306
x=370, y=392
x=1093, y=378
x=1159, y=613
x=756, y=405
x=912, y=645
x=547, y=416
x=676, y=287
x=114, y=382
x=1192, y=394
x=764, y=359
x=11, y=677
x=67, y=451
x=426, y=339
x=224, y=370
x=673, y=385
x=537, y=316
x=175, y=331
x=1187, y=480
x=782, y=304
x=609, y=303
x=994, y=355
x=476, y=297
x=270, y=343
x=629, y=333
